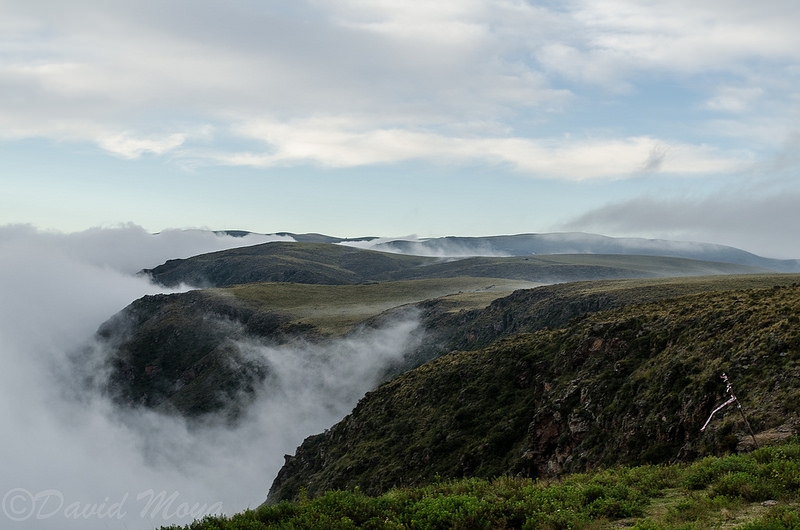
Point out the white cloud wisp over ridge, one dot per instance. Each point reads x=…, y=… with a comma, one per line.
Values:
x=760, y=223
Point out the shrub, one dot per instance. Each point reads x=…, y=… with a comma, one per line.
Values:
x=746, y=486
x=779, y=518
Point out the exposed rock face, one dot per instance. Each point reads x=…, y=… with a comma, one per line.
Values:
x=633, y=385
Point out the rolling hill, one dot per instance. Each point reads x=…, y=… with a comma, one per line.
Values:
x=324, y=263
x=541, y=244
x=582, y=243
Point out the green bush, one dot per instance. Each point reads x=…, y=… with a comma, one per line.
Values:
x=693, y=497
x=746, y=486
x=455, y=511
x=703, y=473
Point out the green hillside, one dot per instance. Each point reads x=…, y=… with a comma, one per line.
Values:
x=175, y=352
x=554, y=306
x=512, y=382
x=627, y=386
x=336, y=309
x=172, y=351
x=755, y=491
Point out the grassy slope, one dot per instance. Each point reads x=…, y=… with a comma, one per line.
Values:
x=336, y=309
x=553, y=306
x=575, y=267
x=630, y=385
x=713, y=492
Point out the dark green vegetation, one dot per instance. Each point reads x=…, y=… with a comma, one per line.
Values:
x=625, y=386
x=322, y=263
x=178, y=352
x=713, y=492
x=554, y=306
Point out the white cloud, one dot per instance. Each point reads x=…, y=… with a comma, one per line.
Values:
x=749, y=219
x=125, y=249
x=456, y=23
x=734, y=99
x=690, y=36
x=454, y=81
x=128, y=146
x=338, y=143
x=413, y=245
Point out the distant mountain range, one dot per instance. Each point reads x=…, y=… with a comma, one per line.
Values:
x=341, y=264
x=552, y=243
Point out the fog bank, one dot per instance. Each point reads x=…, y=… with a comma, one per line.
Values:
x=74, y=461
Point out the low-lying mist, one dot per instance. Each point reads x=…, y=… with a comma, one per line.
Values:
x=128, y=248
x=433, y=248
x=74, y=460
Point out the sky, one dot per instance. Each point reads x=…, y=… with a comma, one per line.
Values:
x=673, y=119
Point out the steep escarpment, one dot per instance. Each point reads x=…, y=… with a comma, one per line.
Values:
x=554, y=306
x=175, y=352
x=630, y=385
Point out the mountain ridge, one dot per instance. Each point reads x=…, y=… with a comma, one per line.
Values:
x=629, y=385
x=324, y=263
x=526, y=244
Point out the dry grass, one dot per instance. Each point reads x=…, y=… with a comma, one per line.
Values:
x=336, y=309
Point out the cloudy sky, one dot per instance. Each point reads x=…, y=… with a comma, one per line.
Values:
x=677, y=119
